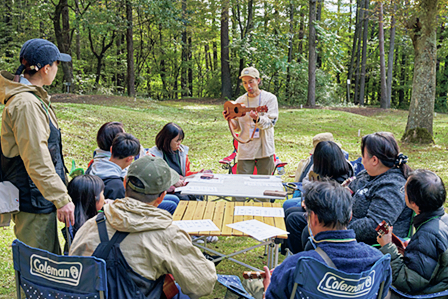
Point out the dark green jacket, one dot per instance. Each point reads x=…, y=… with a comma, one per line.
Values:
x=424, y=267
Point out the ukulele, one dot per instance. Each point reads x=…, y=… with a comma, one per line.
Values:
x=383, y=228
x=238, y=110
x=255, y=275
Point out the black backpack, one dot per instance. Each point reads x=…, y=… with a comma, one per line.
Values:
x=122, y=281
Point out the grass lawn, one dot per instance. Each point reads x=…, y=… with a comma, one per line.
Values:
x=208, y=137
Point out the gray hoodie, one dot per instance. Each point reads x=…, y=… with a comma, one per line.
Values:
x=111, y=174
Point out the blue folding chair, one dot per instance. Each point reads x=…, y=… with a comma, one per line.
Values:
x=42, y=274
x=314, y=279
x=423, y=296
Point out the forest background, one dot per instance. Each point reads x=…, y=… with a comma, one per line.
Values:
x=164, y=49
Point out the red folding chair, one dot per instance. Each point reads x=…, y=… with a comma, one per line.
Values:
x=230, y=162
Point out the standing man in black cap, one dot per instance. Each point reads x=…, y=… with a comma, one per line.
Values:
x=31, y=148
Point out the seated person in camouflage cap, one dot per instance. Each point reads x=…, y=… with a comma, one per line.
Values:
x=154, y=246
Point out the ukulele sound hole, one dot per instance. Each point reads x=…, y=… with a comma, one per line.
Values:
x=236, y=110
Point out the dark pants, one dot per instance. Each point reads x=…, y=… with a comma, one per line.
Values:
x=295, y=225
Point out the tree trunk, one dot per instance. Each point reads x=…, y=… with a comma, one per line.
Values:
x=62, y=34
x=215, y=47
x=162, y=61
x=184, y=71
x=8, y=29
x=320, y=4
x=291, y=31
x=384, y=102
x=312, y=56
x=301, y=35
x=364, y=53
x=355, y=40
x=130, y=50
x=419, y=127
x=390, y=58
x=403, y=72
x=226, y=81
x=78, y=34
x=190, y=69
x=358, y=53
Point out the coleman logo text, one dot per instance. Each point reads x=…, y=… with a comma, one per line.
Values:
x=61, y=272
x=335, y=285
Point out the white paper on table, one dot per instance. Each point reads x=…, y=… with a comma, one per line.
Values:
x=261, y=184
x=196, y=225
x=259, y=211
x=257, y=229
x=197, y=189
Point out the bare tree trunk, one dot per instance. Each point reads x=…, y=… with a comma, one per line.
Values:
x=8, y=29
x=320, y=4
x=301, y=35
x=291, y=31
x=312, y=56
x=358, y=53
x=184, y=71
x=244, y=33
x=62, y=33
x=384, y=103
x=422, y=29
x=403, y=64
x=78, y=34
x=226, y=81
x=390, y=58
x=130, y=50
x=215, y=49
x=190, y=69
x=355, y=41
x=364, y=53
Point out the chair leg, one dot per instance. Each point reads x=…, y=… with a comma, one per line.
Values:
x=380, y=294
x=19, y=295
x=101, y=294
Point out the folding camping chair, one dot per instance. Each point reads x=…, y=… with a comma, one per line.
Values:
x=230, y=162
x=315, y=279
x=41, y=274
x=442, y=294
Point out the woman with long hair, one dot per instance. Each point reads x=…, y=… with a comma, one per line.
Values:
x=87, y=193
x=329, y=164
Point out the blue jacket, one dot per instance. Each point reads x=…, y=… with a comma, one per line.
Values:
x=350, y=257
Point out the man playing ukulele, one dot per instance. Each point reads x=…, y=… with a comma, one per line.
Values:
x=260, y=150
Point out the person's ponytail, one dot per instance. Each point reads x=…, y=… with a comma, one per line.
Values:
x=19, y=72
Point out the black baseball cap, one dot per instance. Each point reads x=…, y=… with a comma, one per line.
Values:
x=40, y=52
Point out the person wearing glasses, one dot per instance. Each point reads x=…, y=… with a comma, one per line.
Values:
x=260, y=151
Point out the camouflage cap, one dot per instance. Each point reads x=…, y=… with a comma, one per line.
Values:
x=154, y=173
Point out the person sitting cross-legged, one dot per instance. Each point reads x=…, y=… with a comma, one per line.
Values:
x=329, y=208
x=423, y=269
x=154, y=246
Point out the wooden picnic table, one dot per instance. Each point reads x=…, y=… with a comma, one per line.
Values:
x=221, y=213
